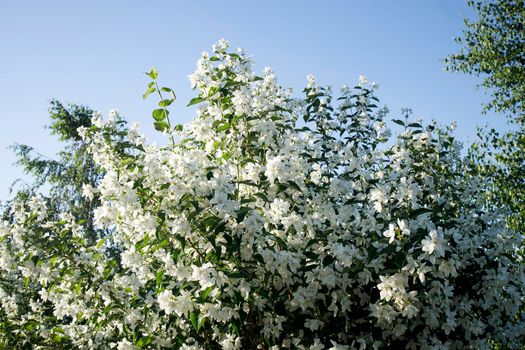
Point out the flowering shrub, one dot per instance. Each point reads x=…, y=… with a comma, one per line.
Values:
x=273, y=222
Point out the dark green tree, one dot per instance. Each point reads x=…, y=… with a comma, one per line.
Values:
x=493, y=47
x=61, y=179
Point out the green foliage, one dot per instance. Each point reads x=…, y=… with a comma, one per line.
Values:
x=493, y=47
x=161, y=115
x=67, y=119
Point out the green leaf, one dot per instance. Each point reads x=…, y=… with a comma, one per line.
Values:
x=294, y=186
x=148, y=92
x=281, y=187
x=211, y=221
x=158, y=277
x=170, y=91
x=153, y=73
x=160, y=114
x=182, y=241
x=312, y=241
x=279, y=240
x=226, y=155
x=109, y=308
x=146, y=340
x=99, y=244
x=194, y=318
x=223, y=127
x=142, y=243
x=415, y=125
x=399, y=122
x=166, y=103
x=195, y=100
x=235, y=328
x=202, y=322
x=259, y=258
x=161, y=126
x=262, y=196
x=213, y=90
x=206, y=292
x=58, y=330
x=241, y=213
x=420, y=211
x=238, y=274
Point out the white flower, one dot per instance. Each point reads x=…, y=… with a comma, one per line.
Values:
x=317, y=345
x=390, y=233
x=312, y=84
x=409, y=311
x=336, y=346
x=126, y=345
x=112, y=118
x=88, y=191
x=230, y=342
x=274, y=168
x=204, y=274
x=96, y=119
x=379, y=197
x=184, y=304
x=113, y=114
x=221, y=45
x=313, y=324
x=362, y=81
x=82, y=132
x=447, y=268
x=166, y=302
x=403, y=227
x=131, y=259
x=433, y=244
x=278, y=210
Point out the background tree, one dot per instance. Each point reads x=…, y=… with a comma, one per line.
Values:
x=63, y=178
x=493, y=47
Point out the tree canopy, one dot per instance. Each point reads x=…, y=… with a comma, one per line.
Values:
x=63, y=177
x=493, y=47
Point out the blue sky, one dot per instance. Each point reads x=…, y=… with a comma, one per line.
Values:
x=95, y=53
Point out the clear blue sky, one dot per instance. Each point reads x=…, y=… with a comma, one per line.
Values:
x=95, y=52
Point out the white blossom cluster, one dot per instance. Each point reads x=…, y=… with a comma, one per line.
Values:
x=274, y=223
